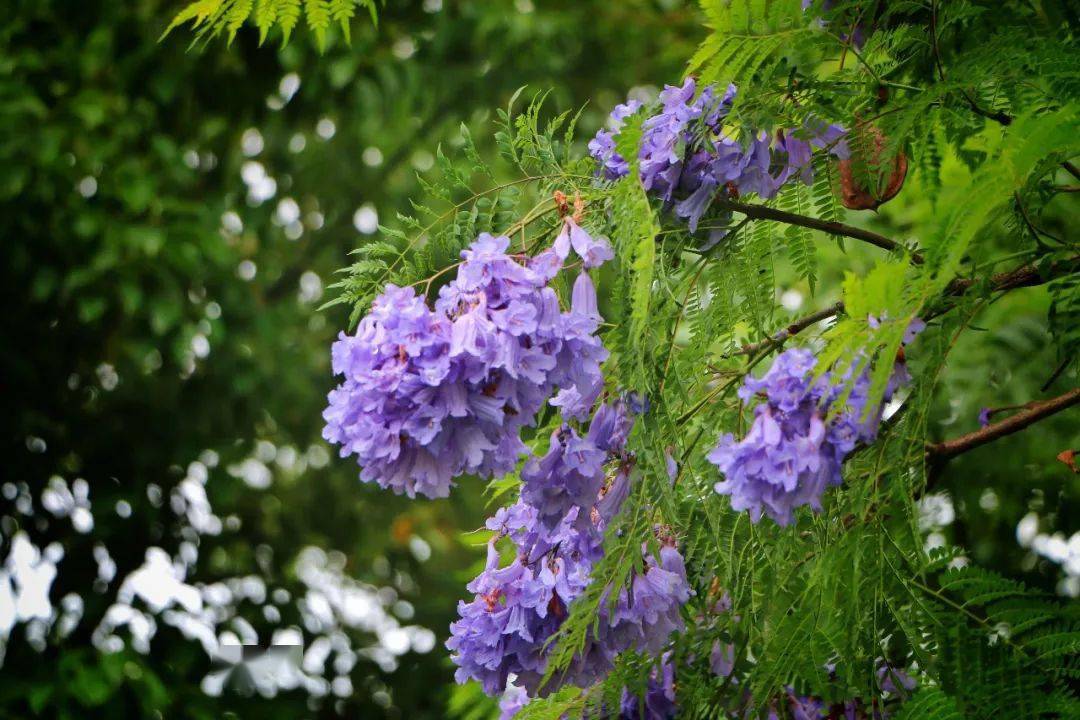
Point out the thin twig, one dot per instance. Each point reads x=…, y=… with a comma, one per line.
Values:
x=682, y=308
x=933, y=38
x=1027, y=220
x=763, y=212
x=1028, y=275
x=1032, y=413
x=998, y=116
x=794, y=328
x=1056, y=374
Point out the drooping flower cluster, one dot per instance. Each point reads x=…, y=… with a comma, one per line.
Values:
x=687, y=157
x=859, y=31
x=602, y=147
x=568, y=498
x=893, y=687
x=793, y=451
x=658, y=702
x=429, y=395
x=571, y=474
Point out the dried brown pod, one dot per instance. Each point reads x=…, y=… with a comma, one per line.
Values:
x=853, y=193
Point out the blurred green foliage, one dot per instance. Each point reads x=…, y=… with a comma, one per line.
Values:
x=157, y=308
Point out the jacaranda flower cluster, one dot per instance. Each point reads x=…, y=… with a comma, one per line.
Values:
x=687, y=157
x=431, y=394
x=893, y=687
x=658, y=702
x=792, y=451
x=568, y=498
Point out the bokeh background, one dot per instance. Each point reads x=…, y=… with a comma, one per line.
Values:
x=173, y=219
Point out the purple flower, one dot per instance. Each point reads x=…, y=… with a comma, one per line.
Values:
x=602, y=147
x=984, y=417
x=568, y=498
x=894, y=680
x=593, y=252
x=793, y=452
x=722, y=659
x=428, y=395
x=828, y=136
x=665, y=137
x=637, y=402
x=805, y=708
x=620, y=112
x=658, y=702
x=670, y=466
x=686, y=158
x=570, y=474
x=581, y=355
x=511, y=702
x=915, y=327
x=695, y=204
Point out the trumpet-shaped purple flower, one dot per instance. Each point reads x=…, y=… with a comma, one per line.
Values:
x=581, y=354
x=569, y=475
x=602, y=147
x=593, y=252
x=568, y=498
x=793, y=451
x=671, y=139
x=511, y=702
x=894, y=680
x=722, y=659
x=429, y=395
x=658, y=702
x=686, y=158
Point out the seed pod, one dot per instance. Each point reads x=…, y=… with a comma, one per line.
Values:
x=866, y=156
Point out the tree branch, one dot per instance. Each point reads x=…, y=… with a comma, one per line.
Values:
x=793, y=329
x=998, y=116
x=1023, y=276
x=763, y=212
x=1032, y=413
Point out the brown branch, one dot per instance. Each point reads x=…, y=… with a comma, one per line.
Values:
x=1023, y=276
x=1001, y=118
x=793, y=329
x=1032, y=413
x=1072, y=169
x=763, y=212
x=934, y=43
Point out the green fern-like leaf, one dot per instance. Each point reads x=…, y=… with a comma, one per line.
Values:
x=213, y=18
x=930, y=703
x=317, y=13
